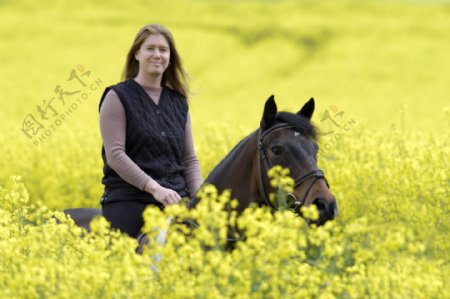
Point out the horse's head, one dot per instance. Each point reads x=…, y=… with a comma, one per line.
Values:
x=289, y=140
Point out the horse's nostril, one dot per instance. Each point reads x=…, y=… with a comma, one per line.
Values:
x=321, y=204
x=333, y=210
x=327, y=210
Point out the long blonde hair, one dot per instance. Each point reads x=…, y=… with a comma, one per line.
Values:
x=174, y=76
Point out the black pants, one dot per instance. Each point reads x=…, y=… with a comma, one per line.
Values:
x=125, y=215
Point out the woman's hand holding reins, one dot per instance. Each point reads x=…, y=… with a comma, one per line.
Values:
x=163, y=195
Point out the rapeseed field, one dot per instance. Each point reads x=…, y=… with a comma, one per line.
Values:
x=378, y=71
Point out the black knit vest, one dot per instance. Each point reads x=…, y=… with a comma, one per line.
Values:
x=154, y=138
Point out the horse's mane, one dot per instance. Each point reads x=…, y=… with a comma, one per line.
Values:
x=300, y=123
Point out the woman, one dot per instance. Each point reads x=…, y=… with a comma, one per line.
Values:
x=148, y=150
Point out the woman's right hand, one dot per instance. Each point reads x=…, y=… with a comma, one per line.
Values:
x=163, y=195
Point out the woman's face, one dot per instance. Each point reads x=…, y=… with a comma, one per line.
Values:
x=153, y=55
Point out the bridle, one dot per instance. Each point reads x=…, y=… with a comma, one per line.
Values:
x=316, y=173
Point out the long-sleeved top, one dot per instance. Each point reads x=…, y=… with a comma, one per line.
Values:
x=113, y=132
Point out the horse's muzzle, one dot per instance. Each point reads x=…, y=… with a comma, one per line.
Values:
x=327, y=210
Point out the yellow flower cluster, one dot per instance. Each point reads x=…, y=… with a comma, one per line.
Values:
x=283, y=184
x=279, y=178
x=188, y=256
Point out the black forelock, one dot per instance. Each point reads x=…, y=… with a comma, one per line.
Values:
x=300, y=123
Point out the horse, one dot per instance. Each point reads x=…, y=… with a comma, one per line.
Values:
x=284, y=139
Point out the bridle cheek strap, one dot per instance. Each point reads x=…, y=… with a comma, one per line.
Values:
x=261, y=184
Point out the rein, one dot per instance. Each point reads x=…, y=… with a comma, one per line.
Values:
x=316, y=173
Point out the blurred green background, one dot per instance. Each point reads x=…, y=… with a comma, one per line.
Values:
x=369, y=58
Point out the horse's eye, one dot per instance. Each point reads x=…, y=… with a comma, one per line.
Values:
x=276, y=150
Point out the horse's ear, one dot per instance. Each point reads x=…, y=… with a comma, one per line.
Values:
x=307, y=109
x=270, y=111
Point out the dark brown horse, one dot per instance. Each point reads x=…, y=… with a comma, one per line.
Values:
x=284, y=139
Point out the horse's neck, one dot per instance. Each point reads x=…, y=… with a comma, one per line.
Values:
x=237, y=171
